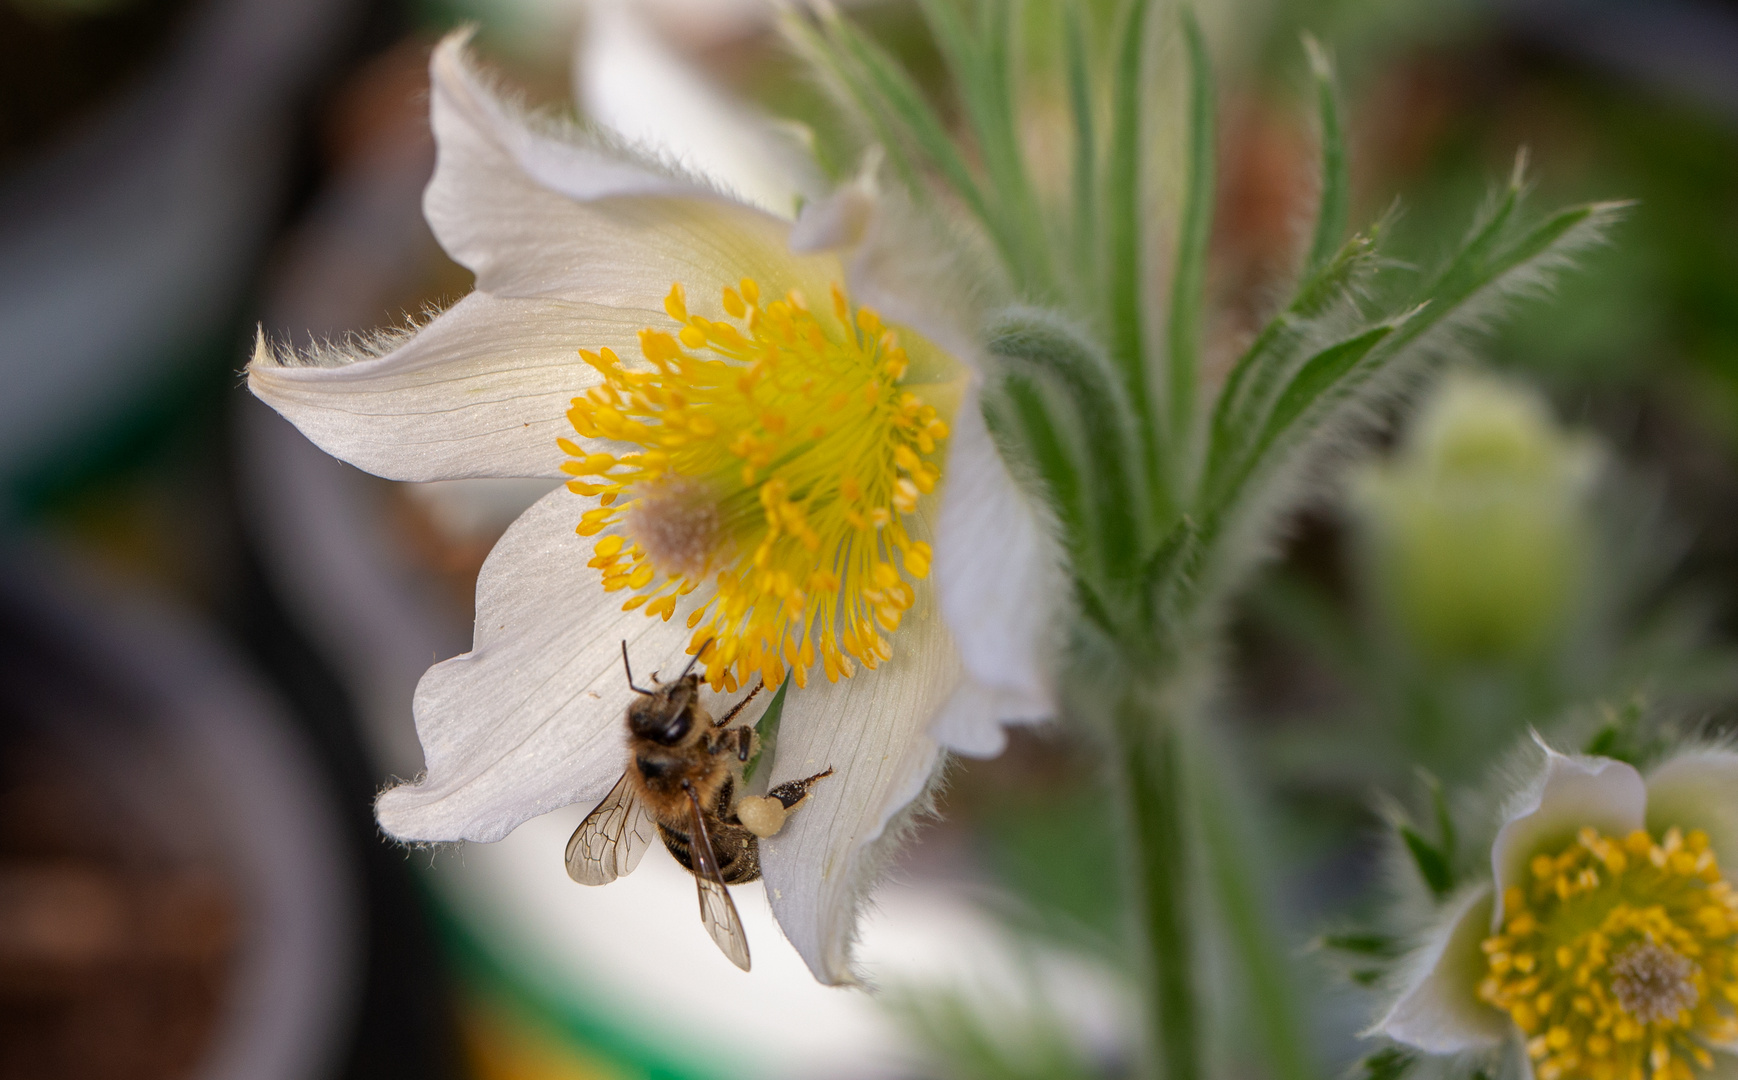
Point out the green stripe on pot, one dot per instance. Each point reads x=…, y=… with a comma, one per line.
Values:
x=587, y=1024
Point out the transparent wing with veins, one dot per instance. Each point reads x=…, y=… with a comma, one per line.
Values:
x=612, y=838
x=717, y=910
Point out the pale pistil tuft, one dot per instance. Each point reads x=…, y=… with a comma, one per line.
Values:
x=1653, y=983
x=676, y=521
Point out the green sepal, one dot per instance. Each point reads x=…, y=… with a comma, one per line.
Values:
x=1362, y=943
x=1388, y=1063
x=766, y=729
x=1445, y=832
x=1432, y=865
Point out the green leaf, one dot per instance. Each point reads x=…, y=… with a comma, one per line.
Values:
x=1334, y=208
x=1486, y=266
x=1445, y=832
x=851, y=87
x=1389, y=1063
x=1017, y=413
x=1362, y=943
x=1189, y=278
x=1033, y=343
x=1079, y=74
x=983, y=75
x=1432, y=865
x=767, y=730
x=902, y=104
x=1313, y=381
x=1258, y=375
x=1124, y=223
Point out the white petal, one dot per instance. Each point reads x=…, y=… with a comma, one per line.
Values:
x=482, y=390
x=1570, y=792
x=871, y=729
x=1725, y=1064
x=997, y=578
x=914, y=268
x=531, y=718
x=634, y=84
x=1439, y=1011
x=839, y=220
x=535, y=215
x=1698, y=790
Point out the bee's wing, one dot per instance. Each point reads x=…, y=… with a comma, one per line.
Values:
x=717, y=910
x=611, y=839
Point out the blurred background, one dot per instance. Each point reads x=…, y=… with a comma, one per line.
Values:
x=212, y=630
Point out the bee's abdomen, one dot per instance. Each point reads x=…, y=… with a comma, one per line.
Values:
x=738, y=851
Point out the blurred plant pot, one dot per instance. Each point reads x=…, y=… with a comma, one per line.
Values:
x=175, y=897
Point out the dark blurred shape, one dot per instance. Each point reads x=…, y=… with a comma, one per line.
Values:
x=175, y=897
x=1688, y=48
x=114, y=952
x=130, y=231
x=60, y=60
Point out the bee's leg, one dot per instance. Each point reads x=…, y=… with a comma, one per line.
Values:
x=792, y=792
x=765, y=815
x=725, y=720
x=744, y=743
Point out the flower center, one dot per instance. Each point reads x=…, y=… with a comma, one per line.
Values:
x=1619, y=960
x=776, y=461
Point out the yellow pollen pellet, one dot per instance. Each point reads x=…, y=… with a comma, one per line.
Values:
x=794, y=416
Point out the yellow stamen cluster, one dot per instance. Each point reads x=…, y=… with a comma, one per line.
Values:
x=1619, y=959
x=776, y=460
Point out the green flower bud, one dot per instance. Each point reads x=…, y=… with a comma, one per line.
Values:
x=1477, y=536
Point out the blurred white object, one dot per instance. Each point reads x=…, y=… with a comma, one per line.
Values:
x=630, y=81
x=634, y=954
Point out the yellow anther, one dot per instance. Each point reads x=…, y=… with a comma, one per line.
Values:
x=733, y=305
x=676, y=304
x=801, y=417
x=1644, y=958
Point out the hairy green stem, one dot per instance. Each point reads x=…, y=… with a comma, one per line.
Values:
x=1238, y=896
x=1150, y=759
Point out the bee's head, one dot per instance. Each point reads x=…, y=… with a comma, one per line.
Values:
x=666, y=715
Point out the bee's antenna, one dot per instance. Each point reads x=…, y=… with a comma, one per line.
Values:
x=630, y=670
x=695, y=659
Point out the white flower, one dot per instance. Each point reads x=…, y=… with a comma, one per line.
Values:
x=576, y=246
x=1607, y=940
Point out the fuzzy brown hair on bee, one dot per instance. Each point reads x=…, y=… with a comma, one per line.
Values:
x=683, y=785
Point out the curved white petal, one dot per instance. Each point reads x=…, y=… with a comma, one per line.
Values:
x=1569, y=793
x=998, y=584
x=1438, y=1010
x=871, y=729
x=631, y=82
x=531, y=718
x=481, y=390
x=1725, y=1064
x=913, y=268
x=532, y=214
x=1698, y=790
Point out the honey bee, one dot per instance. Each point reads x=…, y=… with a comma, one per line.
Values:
x=683, y=785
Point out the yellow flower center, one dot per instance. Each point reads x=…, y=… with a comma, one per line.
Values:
x=776, y=461
x=1618, y=959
